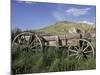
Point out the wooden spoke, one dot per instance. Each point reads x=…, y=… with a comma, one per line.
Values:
x=87, y=55
x=79, y=57
x=88, y=52
x=86, y=47
x=19, y=40
x=84, y=50
x=33, y=41
x=73, y=51
x=73, y=55
x=29, y=40
x=76, y=48
x=82, y=45
x=79, y=44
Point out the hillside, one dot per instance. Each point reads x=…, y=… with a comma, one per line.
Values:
x=63, y=27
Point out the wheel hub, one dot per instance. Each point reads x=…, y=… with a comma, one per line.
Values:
x=80, y=52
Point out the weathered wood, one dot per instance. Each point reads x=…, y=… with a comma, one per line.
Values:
x=62, y=37
x=60, y=40
x=57, y=40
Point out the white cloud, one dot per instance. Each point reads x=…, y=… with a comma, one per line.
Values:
x=59, y=16
x=77, y=12
x=87, y=22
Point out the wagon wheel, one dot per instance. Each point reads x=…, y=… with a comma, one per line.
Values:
x=28, y=40
x=83, y=50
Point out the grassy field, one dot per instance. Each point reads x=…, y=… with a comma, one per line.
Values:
x=50, y=59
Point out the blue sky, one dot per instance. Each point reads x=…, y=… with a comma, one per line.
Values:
x=36, y=15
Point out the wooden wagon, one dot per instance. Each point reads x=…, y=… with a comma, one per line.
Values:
x=78, y=45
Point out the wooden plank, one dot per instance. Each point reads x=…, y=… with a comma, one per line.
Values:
x=62, y=37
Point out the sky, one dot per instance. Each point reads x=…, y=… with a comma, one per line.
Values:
x=35, y=15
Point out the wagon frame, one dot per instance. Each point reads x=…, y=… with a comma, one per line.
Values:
x=78, y=46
